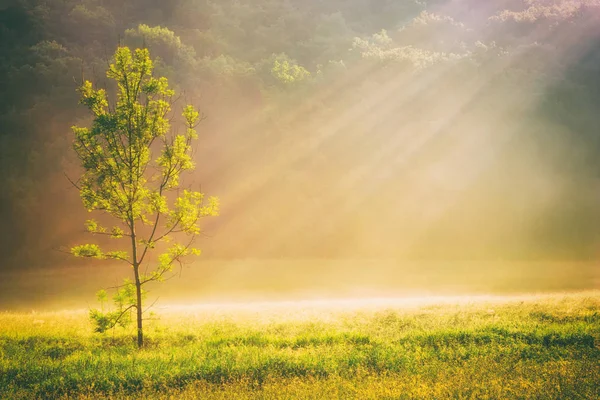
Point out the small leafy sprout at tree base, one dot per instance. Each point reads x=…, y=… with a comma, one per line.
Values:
x=132, y=162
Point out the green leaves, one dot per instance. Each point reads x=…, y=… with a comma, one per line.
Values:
x=87, y=251
x=166, y=261
x=95, y=100
x=122, y=178
x=124, y=300
x=101, y=295
x=116, y=232
x=192, y=118
x=189, y=208
x=115, y=152
x=289, y=73
x=94, y=251
x=175, y=158
x=116, y=255
x=93, y=227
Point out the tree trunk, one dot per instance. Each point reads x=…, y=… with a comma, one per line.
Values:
x=138, y=286
x=138, y=307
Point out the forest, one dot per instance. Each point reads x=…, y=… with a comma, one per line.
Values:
x=372, y=127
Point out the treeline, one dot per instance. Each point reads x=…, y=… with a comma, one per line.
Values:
x=335, y=128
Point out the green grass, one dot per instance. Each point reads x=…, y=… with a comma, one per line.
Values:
x=545, y=347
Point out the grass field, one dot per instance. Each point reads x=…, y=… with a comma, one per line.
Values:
x=535, y=347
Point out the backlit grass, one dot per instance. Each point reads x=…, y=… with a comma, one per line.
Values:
x=536, y=347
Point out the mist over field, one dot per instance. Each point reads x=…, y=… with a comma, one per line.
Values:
x=258, y=281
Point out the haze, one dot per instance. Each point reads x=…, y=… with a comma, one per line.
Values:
x=426, y=148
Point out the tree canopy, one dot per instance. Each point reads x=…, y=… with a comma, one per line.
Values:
x=122, y=178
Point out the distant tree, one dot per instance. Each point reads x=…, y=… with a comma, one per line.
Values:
x=283, y=71
x=287, y=73
x=88, y=24
x=163, y=42
x=132, y=163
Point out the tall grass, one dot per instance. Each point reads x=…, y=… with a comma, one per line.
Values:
x=545, y=347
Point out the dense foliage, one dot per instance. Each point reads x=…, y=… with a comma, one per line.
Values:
x=307, y=99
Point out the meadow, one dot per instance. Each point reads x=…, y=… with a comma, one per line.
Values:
x=527, y=347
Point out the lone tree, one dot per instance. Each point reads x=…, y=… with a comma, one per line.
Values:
x=132, y=163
